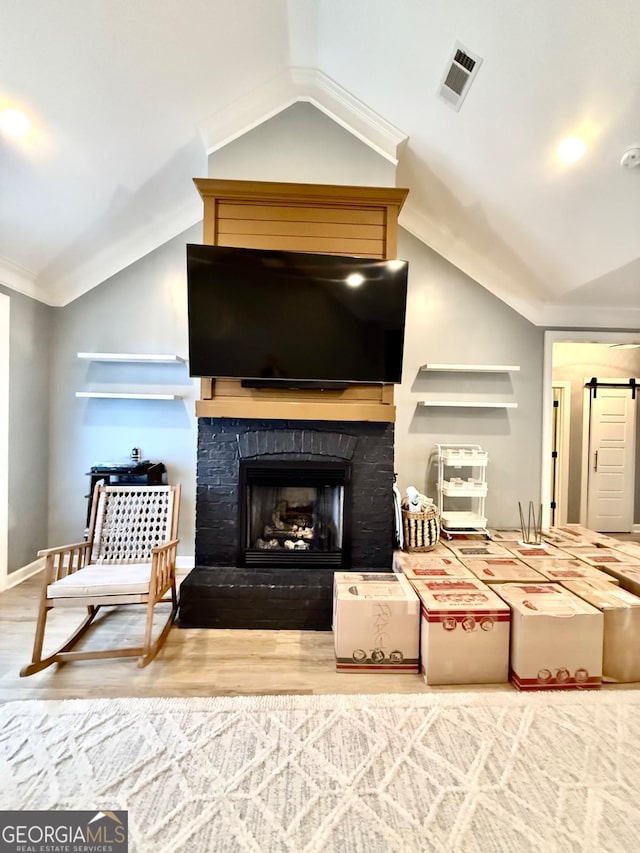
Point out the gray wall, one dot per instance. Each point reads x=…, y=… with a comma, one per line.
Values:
x=452, y=319
x=142, y=309
x=575, y=362
x=302, y=144
x=28, y=427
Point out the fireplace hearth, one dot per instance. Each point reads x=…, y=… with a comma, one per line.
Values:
x=323, y=487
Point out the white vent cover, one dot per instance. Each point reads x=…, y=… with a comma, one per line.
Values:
x=461, y=70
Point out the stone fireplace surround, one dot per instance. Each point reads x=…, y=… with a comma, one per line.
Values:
x=219, y=594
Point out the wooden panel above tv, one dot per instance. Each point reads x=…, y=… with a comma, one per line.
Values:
x=340, y=220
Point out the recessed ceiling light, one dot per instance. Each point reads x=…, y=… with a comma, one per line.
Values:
x=355, y=279
x=14, y=122
x=571, y=149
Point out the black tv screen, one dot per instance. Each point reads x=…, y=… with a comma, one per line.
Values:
x=285, y=317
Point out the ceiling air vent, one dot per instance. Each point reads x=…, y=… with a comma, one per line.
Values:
x=456, y=82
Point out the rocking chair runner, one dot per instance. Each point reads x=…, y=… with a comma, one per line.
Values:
x=128, y=558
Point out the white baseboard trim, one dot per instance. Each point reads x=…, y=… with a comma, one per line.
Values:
x=183, y=567
x=20, y=575
x=635, y=528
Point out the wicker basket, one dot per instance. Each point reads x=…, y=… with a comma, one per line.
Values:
x=421, y=529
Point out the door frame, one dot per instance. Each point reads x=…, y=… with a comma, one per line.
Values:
x=5, y=307
x=551, y=337
x=586, y=442
x=562, y=504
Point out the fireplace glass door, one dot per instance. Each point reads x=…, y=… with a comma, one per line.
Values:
x=294, y=514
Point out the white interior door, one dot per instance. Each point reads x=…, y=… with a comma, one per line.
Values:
x=610, y=491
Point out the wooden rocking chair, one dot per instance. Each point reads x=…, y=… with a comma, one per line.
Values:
x=128, y=558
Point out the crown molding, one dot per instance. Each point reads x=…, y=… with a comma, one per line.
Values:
x=539, y=311
x=590, y=317
x=308, y=85
x=121, y=254
x=22, y=281
x=293, y=86
x=480, y=269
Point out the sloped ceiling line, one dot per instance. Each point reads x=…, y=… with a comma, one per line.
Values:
x=295, y=85
x=312, y=86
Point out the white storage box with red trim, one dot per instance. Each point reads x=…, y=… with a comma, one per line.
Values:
x=464, y=632
x=457, y=570
x=426, y=566
x=598, y=556
x=560, y=540
x=627, y=576
x=530, y=553
x=621, y=612
x=631, y=549
x=565, y=570
x=361, y=578
x=498, y=535
x=467, y=549
x=416, y=563
x=508, y=570
x=556, y=638
x=364, y=577
x=577, y=531
x=376, y=623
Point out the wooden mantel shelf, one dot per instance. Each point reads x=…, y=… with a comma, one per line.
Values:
x=226, y=398
x=324, y=218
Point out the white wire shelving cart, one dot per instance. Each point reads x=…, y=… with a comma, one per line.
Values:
x=462, y=488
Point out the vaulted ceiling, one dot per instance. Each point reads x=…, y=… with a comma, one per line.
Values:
x=127, y=97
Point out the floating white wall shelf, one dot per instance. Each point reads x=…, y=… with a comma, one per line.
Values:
x=106, y=395
x=148, y=358
x=130, y=358
x=460, y=404
x=475, y=368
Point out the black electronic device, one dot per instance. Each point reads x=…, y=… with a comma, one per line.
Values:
x=133, y=473
x=295, y=319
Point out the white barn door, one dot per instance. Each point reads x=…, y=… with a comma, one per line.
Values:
x=611, y=485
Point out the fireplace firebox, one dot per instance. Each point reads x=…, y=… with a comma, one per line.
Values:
x=294, y=514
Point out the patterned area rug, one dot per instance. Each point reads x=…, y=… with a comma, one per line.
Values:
x=489, y=771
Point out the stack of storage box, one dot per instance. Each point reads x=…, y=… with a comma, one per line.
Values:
x=561, y=614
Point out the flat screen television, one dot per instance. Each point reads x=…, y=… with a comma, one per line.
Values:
x=295, y=319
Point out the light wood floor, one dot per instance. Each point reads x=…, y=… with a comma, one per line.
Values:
x=193, y=662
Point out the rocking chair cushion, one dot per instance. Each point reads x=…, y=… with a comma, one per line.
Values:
x=95, y=580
